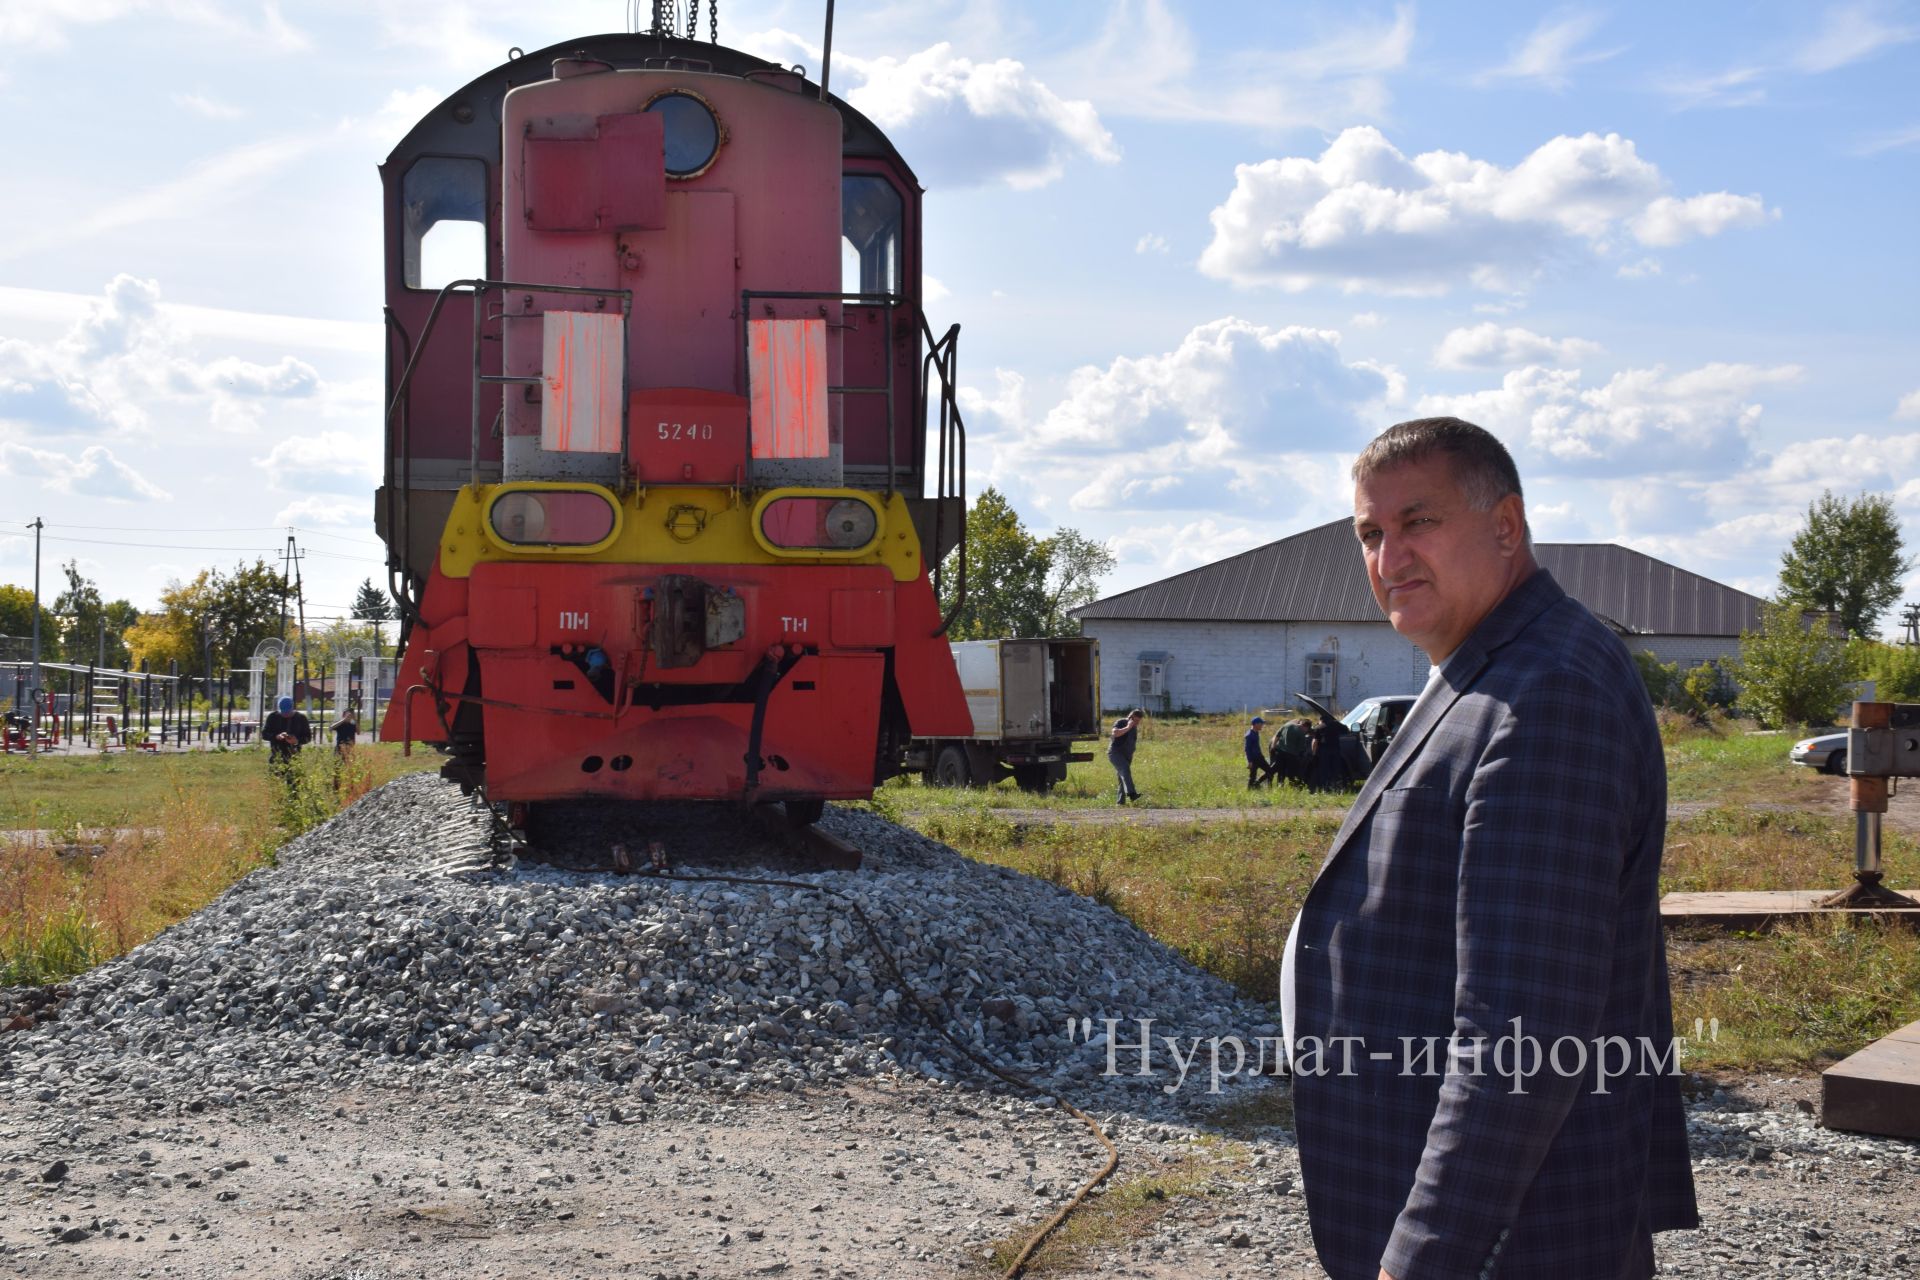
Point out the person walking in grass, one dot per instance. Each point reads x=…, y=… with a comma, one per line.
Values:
x=1259, y=768
x=1121, y=742
x=286, y=731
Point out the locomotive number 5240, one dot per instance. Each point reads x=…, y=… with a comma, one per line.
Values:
x=686, y=431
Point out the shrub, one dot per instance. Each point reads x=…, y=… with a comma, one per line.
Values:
x=1893, y=668
x=1793, y=670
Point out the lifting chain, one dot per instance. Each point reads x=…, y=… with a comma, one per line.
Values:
x=713, y=21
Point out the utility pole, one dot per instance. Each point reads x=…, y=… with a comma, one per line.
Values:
x=295, y=556
x=33, y=685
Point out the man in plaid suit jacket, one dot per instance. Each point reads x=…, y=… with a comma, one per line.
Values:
x=1495, y=885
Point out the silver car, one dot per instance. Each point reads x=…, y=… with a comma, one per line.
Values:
x=1827, y=753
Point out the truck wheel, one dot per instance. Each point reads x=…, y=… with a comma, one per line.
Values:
x=951, y=769
x=804, y=813
x=1037, y=778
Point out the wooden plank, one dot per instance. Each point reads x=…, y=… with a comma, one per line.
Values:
x=1763, y=908
x=1877, y=1090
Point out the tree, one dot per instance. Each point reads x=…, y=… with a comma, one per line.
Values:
x=370, y=604
x=1846, y=560
x=16, y=625
x=1075, y=565
x=228, y=613
x=1794, y=669
x=91, y=628
x=1017, y=584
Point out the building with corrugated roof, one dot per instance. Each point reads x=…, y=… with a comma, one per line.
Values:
x=1297, y=616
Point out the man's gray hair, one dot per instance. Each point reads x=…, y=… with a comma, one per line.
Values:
x=1482, y=466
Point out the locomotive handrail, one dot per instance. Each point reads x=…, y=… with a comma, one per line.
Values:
x=888, y=300
x=479, y=288
x=944, y=355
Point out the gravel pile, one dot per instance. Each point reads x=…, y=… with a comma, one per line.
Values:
x=359, y=956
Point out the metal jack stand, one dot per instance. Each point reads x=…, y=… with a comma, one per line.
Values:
x=1877, y=1090
x=1883, y=744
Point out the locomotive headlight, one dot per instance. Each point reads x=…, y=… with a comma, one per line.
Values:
x=838, y=522
x=849, y=523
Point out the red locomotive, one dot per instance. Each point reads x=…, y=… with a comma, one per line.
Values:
x=660, y=509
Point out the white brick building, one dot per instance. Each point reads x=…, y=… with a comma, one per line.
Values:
x=1296, y=616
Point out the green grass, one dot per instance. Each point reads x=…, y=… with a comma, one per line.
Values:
x=1799, y=998
x=61, y=793
x=1730, y=762
x=1222, y=892
x=1181, y=763
x=176, y=831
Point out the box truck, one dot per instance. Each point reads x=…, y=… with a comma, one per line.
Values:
x=1033, y=702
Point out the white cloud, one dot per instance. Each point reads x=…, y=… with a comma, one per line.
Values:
x=1174, y=546
x=328, y=461
x=211, y=108
x=1668, y=221
x=1006, y=407
x=330, y=512
x=96, y=473
x=125, y=354
x=975, y=123
x=1152, y=242
x=1639, y=270
x=1144, y=63
x=1244, y=384
x=1849, y=33
x=1367, y=320
x=932, y=289
x=1735, y=87
x=1363, y=217
x=1551, y=51
x=1909, y=406
x=1639, y=422
x=1890, y=140
x=214, y=182
x=1488, y=346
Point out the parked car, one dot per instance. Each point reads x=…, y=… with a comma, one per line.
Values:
x=1827, y=753
x=1370, y=727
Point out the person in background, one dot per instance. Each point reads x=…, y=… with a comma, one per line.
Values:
x=1259, y=768
x=1329, y=768
x=1292, y=749
x=1120, y=744
x=346, y=731
x=286, y=731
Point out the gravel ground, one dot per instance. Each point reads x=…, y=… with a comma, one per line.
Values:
x=374, y=1060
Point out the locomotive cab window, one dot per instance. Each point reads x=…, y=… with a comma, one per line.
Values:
x=871, y=215
x=443, y=231
x=692, y=134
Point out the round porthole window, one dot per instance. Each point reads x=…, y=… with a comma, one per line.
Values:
x=692, y=133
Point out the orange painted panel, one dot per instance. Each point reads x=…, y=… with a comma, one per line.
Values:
x=787, y=366
x=582, y=365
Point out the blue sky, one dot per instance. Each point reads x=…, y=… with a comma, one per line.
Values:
x=1200, y=253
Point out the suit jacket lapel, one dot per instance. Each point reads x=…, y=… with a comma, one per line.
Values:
x=1462, y=667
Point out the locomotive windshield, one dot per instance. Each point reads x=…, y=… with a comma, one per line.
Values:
x=870, y=222
x=444, y=231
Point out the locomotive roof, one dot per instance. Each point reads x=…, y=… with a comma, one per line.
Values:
x=441, y=130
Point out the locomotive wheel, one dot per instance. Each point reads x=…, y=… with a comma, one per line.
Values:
x=951, y=768
x=804, y=813
x=1037, y=778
